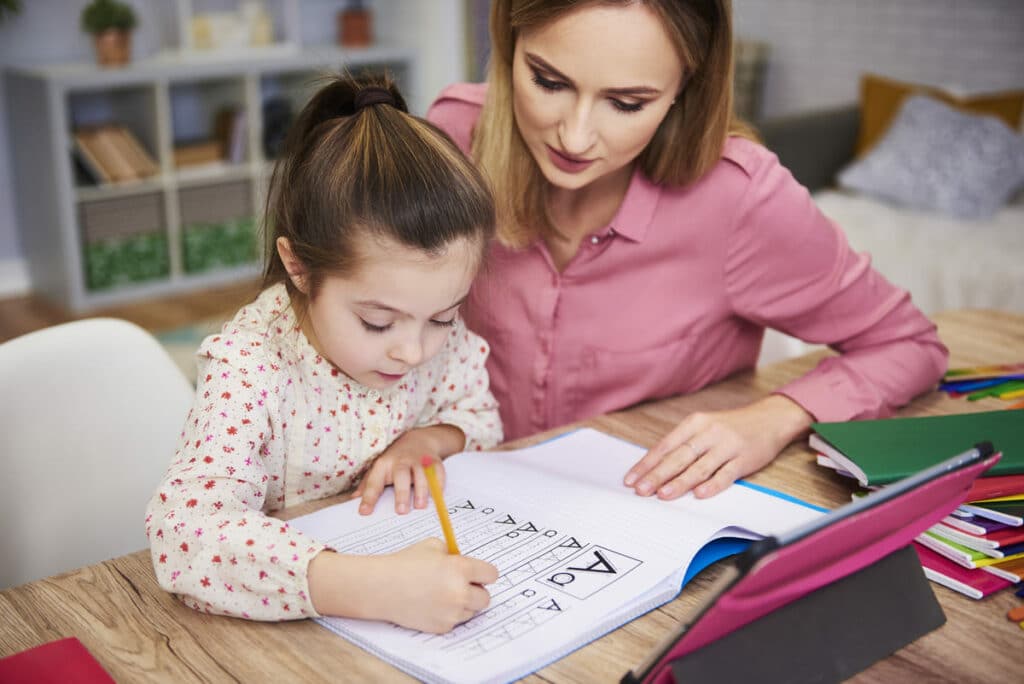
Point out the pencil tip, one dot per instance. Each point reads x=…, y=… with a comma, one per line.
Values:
x=426, y=461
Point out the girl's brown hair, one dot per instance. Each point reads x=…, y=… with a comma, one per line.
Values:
x=685, y=146
x=355, y=165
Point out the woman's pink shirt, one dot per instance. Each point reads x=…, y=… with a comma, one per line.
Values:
x=675, y=293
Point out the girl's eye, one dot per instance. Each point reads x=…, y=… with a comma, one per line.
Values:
x=628, y=106
x=370, y=327
x=545, y=83
x=443, y=324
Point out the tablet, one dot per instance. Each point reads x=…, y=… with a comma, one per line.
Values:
x=788, y=602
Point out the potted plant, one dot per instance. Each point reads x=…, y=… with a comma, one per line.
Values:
x=110, y=22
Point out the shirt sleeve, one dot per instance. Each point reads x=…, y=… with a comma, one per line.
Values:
x=455, y=115
x=790, y=268
x=210, y=541
x=461, y=395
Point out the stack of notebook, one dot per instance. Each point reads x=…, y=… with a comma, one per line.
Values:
x=979, y=548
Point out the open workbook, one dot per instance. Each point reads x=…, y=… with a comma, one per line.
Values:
x=578, y=554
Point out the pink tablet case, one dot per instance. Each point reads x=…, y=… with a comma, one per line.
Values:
x=824, y=557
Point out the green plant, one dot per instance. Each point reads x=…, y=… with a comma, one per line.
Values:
x=101, y=15
x=8, y=8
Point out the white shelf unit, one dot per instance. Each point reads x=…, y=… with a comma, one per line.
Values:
x=162, y=101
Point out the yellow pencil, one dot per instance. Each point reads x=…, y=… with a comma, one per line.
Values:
x=442, y=509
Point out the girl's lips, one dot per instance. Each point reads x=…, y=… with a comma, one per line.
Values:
x=390, y=377
x=566, y=163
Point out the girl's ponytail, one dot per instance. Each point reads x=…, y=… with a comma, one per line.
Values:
x=355, y=163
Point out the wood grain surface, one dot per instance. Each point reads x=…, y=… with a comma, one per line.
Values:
x=138, y=632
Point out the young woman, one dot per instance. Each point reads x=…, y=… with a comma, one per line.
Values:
x=646, y=242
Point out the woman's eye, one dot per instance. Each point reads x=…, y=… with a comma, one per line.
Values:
x=546, y=84
x=628, y=106
x=443, y=324
x=374, y=328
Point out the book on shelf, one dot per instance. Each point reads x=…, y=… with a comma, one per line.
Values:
x=230, y=128
x=578, y=553
x=111, y=154
x=129, y=148
x=878, y=452
x=87, y=160
x=198, y=152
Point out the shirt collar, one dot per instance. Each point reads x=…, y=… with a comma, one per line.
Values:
x=636, y=213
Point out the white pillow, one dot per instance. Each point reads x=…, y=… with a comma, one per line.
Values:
x=937, y=158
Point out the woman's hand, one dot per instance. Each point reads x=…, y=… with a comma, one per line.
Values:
x=421, y=587
x=707, y=452
x=400, y=466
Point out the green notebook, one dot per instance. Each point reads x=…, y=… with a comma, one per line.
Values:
x=878, y=452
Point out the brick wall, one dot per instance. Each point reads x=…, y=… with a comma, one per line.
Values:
x=819, y=48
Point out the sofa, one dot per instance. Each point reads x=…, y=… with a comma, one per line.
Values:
x=944, y=261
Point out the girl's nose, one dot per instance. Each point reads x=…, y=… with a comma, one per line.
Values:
x=409, y=352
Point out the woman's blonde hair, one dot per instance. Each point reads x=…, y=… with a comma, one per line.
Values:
x=685, y=146
x=357, y=164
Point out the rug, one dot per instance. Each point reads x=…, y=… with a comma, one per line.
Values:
x=182, y=343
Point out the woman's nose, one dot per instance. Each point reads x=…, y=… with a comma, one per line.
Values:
x=576, y=132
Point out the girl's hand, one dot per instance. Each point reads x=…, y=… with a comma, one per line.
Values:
x=421, y=587
x=707, y=452
x=399, y=466
x=432, y=590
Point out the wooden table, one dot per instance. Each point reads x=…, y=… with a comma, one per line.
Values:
x=139, y=632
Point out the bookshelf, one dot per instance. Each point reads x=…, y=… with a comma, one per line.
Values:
x=90, y=244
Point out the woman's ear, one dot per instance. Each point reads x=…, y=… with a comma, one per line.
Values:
x=296, y=269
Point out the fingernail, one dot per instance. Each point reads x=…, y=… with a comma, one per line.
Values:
x=665, y=491
x=401, y=508
x=644, y=488
x=630, y=479
x=702, y=491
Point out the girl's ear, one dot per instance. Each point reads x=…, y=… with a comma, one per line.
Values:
x=296, y=269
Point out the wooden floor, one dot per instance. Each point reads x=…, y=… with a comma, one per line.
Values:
x=21, y=315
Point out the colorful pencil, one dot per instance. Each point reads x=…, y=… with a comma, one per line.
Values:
x=442, y=509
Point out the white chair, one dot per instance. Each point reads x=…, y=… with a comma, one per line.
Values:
x=90, y=417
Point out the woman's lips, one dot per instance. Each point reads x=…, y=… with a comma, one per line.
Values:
x=567, y=163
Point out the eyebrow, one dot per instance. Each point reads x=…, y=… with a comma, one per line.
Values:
x=633, y=90
x=374, y=304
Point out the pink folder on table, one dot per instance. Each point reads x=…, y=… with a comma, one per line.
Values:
x=818, y=603
x=56, y=662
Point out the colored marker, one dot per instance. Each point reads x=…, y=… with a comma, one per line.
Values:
x=442, y=510
x=996, y=390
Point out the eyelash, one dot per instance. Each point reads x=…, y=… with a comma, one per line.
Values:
x=370, y=327
x=555, y=86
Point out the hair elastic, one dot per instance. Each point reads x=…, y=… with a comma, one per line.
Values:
x=373, y=95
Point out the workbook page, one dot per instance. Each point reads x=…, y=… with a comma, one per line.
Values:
x=576, y=556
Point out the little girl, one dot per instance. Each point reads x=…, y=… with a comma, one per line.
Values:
x=349, y=366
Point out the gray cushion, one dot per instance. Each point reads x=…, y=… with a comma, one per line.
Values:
x=937, y=158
